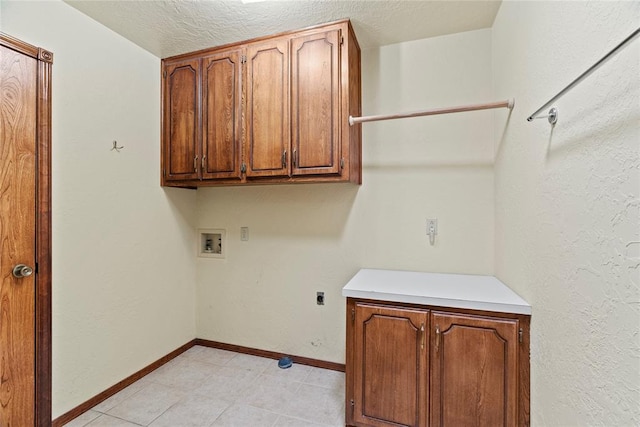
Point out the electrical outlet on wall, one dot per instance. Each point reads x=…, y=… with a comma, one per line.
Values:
x=432, y=229
x=432, y=226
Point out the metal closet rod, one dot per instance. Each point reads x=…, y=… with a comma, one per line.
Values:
x=585, y=74
x=502, y=104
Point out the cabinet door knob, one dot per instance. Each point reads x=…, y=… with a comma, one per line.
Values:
x=284, y=159
x=422, y=336
x=437, y=338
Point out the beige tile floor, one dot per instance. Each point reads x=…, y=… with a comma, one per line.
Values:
x=209, y=387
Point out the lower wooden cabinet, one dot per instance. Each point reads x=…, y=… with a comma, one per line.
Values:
x=411, y=365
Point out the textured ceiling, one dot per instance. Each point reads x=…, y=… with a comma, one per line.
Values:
x=172, y=27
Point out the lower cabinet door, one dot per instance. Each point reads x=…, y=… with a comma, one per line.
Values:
x=390, y=366
x=474, y=370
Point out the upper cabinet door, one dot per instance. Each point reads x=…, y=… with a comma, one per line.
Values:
x=182, y=120
x=473, y=370
x=315, y=104
x=221, y=114
x=268, y=137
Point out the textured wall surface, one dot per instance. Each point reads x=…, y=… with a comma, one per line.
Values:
x=568, y=205
x=309, y=238
x=123, y=266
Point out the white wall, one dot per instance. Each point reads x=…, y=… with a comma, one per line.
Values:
x=568, y=205
x=309, y=238
x=123, y=265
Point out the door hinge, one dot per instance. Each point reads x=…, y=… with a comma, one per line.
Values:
x=243, y=59
x=342, y=163
x=520, y=335
x=341, y=40
x=353, y=315
x=353, y=405
x=243, y=167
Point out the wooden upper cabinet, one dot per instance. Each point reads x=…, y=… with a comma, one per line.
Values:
x=268, y=136
x=315, y=103
x=181, y=120
x=473, y=370
x=221, y=115
x=269, y=110
x=390, y=373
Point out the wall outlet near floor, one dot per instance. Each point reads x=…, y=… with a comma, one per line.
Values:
x=320, y=298
x=244, y=234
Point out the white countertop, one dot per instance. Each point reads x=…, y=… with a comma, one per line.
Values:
x=444, y=290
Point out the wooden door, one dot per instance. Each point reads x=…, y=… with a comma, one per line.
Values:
x=182, y=126
x=390, y=362
x=221, y=115
x=25, y=239
x=473, y=370
x=268, y=127
x=315, y=104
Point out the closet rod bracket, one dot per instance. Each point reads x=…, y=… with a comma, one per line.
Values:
x=552, y=116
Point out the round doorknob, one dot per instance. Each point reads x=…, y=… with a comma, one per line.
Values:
x=22, y=270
